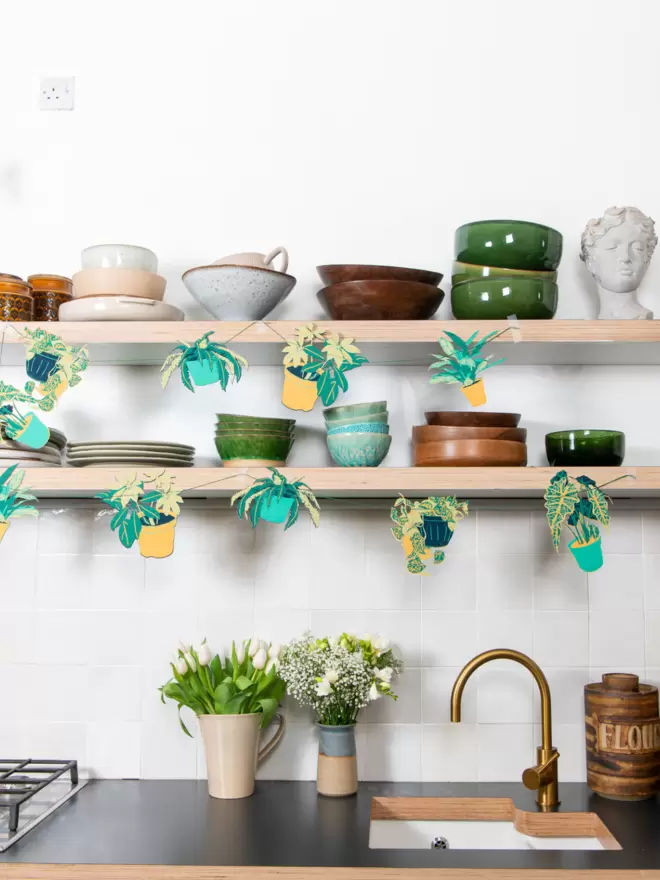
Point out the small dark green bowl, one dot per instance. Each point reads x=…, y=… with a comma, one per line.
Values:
x=513, y=244
x=496, y=298
x=585, y=448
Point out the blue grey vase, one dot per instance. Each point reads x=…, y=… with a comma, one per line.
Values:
x=337, y=766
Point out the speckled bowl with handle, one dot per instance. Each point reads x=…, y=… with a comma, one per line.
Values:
x=238, y=293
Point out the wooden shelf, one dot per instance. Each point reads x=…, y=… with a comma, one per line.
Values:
x=336, y=482
x=409, y=342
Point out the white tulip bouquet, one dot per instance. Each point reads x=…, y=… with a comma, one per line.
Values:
x=244, y=683
x=339, y=676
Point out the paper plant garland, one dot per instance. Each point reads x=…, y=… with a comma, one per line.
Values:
x=53, y=364
x=578, y=503
x=461, y=364
x=203, y=363
x=146, y=511
x=424, y=527
x=315, y=364
x=13, y=499
x=26, y=428
x=275, y=499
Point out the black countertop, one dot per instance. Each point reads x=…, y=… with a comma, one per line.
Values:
x=288, y=824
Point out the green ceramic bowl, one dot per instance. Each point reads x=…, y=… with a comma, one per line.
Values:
x=497, y=298
x=359, y=450
x=242, y=427
x=354, y=409
x=379, y=418
x=514, y=244
x=227, y=419
x=268, y=447
x=468, y=271
x=586, y=448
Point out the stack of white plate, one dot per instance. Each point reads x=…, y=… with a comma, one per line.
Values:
x=129, y=453
x=49, y=455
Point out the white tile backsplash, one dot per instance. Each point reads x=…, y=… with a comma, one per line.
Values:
x=90, y=627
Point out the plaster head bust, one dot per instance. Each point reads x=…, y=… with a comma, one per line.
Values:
x=616, y=249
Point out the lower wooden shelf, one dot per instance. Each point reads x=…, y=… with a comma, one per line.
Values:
x=336, y=482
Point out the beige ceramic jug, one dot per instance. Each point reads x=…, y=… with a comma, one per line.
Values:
x=256, y=261
x=231, y=746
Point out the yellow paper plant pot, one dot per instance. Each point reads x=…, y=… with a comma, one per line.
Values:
x=298, y=393
x=3, y=529
x=475, y=393
x=157, y=542
x=59, y=391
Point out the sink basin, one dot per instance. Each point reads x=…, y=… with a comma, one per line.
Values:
x=481, y=823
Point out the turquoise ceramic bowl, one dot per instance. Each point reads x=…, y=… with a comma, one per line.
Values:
x=359, y=450
x=354, y=409
x=514, y=244
x=359, y=428
x=497, y=298
x=375, y=418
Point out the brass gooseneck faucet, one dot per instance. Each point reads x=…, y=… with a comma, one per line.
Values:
x=543, y=777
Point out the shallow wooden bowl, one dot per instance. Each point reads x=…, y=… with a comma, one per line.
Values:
x=474, y=419
x=471, y=453
x=433, y=433
x=338, y=272
x=380, y=300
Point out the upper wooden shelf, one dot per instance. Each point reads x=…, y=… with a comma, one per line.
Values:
x=402, y=342
x=336, y=482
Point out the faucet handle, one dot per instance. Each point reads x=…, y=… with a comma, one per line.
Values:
x=543, y=774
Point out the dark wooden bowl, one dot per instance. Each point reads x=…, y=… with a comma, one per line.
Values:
x=471, y=453
x=339, y=272
x=433, y=433
x=474, y=419
x=380, y=300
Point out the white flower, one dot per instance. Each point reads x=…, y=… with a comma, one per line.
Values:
x=181, y=666
x=255, y=645
x=367, y=637
x=380, y=644
x=373, y=692
x=384, y=674
x=240, y=653
x=323, y=688
x=185, y=649
x=271, y=663
x=259, y=659
x=332, y=676
x=190, y=660
x=204, y=655
x=274, y=651
x=333, y=641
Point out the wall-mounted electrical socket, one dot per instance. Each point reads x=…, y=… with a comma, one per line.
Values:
x=57, y=93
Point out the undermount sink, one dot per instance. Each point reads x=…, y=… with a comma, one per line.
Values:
x=481, y=823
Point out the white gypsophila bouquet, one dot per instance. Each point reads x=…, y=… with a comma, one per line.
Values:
x=338, y=676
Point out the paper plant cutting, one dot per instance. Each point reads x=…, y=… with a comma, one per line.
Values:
x=315, y=364
x=462, y=364
x=275, y=499
x=578, y=503
x=15, y=424
x=14, y=501
x=53, y=364
x=203, y=363
x=146, y=511
x=424, y=527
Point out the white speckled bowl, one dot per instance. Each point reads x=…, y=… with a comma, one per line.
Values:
x=238, y=293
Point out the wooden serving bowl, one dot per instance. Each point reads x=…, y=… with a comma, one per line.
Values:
x=433, y=433
x=339, y=272
x=380, y=300
x=474, y=419
x=471, y=453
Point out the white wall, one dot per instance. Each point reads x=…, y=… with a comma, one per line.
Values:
x=348, y=132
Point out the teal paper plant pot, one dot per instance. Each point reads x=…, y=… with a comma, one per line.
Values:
x=203, y=372
x=41, y=366
x=359, y=450
x=436, y=531
x=495, y=299
x=35, y=434
x=276, y=510
x=589, y=556
x=511, y=244
x=585, y=448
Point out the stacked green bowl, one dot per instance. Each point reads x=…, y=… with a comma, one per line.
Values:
x=253, y=441
x=358, y=434
x=505, y=268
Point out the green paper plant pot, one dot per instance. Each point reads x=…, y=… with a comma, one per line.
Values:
x=585, y=448
x=268, y=447
x=276, y=510
x=203, y=373
x=469, y=271
x=511, y=244
x=436, y=531
x=588, y=556
x=496, y=298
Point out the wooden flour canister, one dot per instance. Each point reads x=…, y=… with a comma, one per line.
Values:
x=623, y=737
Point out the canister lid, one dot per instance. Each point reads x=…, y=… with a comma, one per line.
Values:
x=621, y=681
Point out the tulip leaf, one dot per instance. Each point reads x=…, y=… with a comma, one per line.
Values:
x=242, y=682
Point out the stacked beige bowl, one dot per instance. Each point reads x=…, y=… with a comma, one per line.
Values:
x=118, y=282
x=130, y=453
x=49, y=455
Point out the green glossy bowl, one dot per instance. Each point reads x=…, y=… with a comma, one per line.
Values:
x=268, y=447
x=261, y=421
x=497, y=298
x=354, y=409
x=246, y=427
x=585, y=448
x=359, y=450
x=514, y=244
x=468, y=271
x=379, y=418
